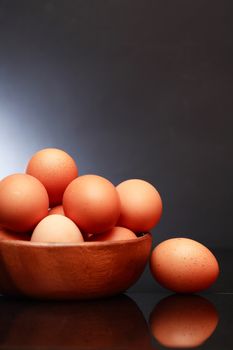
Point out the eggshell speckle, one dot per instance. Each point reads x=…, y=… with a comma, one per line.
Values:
x=141, y=205
x=57, y=229
x=184, y=265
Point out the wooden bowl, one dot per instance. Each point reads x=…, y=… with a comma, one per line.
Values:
x=71, y=271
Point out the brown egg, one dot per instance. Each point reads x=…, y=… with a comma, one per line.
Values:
x=92, y=202
x=23, y=202
x=55, y=169
x=57, y=210
x=184, y=265
x=57, y=229
x=141, y=205
x=183, y=321
x=10, y=235
x=115, y=234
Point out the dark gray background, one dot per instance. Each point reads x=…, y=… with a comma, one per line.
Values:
x=131, y=89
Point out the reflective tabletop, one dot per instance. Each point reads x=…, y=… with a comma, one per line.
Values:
x=128, y=321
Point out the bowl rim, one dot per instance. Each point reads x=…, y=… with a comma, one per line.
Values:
x=15, y=242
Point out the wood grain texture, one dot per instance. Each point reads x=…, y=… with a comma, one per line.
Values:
x=84, y=271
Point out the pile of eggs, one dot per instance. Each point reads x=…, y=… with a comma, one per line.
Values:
x=56, y=205
x=51, y=203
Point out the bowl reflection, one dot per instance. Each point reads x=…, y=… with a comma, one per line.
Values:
x=183, y=321
x=98, y=324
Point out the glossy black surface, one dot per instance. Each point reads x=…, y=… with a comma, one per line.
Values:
x=135, y=321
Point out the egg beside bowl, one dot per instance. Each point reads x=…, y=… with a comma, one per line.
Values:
x=91, y=208
x=183, y=265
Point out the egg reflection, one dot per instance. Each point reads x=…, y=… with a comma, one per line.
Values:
x=101, y=324
x=181, y=321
